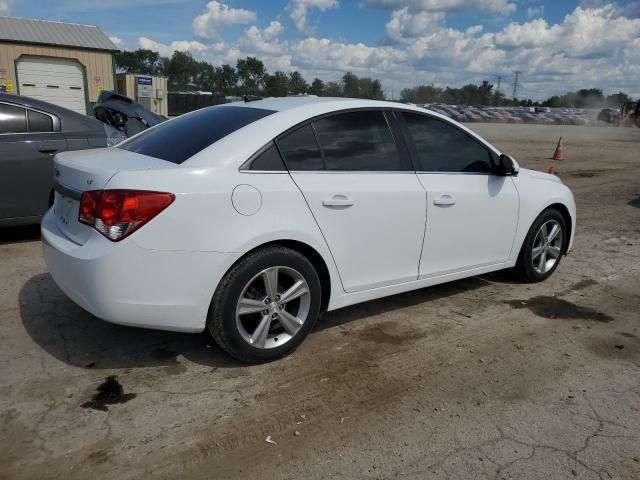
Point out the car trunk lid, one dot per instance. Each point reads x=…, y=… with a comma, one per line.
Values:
x=80, y=171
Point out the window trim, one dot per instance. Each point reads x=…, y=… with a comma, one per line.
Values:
x=413, y=151
x=246, y=166
x=55, y=120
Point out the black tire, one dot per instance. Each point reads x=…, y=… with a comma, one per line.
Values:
x=221, y=321
x=524, y=269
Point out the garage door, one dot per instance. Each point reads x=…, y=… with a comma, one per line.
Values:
x=56, y=80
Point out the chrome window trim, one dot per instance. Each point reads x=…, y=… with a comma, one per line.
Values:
x=55, y=120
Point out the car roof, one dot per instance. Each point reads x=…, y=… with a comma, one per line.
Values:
x=70, y=120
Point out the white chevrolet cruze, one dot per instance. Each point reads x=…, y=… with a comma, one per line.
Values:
x=250, y=219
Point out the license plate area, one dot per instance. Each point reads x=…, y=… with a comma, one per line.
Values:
x=65, y=210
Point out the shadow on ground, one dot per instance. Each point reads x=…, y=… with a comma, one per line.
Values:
x=26, y=233
x=79, y=339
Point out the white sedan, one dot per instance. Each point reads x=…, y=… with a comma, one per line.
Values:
x=250, y=219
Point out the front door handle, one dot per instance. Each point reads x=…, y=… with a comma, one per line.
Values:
x=338, y=201
x=445, y=199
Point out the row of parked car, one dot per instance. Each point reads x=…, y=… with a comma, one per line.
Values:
x=539, y=115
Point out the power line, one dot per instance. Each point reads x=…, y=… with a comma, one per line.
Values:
x=515, y=83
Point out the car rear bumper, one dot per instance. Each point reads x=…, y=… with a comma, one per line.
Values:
x=126, y=284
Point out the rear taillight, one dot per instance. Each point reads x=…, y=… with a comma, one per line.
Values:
x=118, y=213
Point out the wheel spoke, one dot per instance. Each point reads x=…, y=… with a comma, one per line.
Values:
x=259, y=335
x=290, y=323
x=270, y=277
x=543, y=261
x=555, y=230
x=249, y=305
x=537, y=251
x=554, y=251
x=296, y=290
x=543, y=233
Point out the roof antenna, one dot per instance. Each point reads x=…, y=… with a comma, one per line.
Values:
x=251, y=98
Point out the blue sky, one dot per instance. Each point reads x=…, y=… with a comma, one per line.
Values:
x=558, y=45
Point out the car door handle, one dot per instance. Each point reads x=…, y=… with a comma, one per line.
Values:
x=47, y=150
x=445, y=199
x=338, y=201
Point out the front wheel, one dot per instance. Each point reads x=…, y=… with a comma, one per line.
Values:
x=265, y=305
x=543, y=247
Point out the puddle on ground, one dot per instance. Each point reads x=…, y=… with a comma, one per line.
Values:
x=390, y=333
x=554, y=307
x=110, y=392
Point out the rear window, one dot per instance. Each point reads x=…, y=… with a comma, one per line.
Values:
x=180, y=139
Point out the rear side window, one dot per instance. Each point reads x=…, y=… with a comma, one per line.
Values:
x=180, y=139
x=358, y=141
x=269, y=160
x=39, y=122
x=300, y=149
x=441, y=147
x=12, y=119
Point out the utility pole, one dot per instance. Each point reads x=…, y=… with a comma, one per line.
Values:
x=515, y=83
x=499, y=77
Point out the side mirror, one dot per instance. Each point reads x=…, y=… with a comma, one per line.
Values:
x=507, y=166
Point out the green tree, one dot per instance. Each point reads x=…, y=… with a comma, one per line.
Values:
x=297, y=83
x=225, y=80
x=333, y=89
x=276, y=85
x=370, y=88
x=421, y=94
x=350, y=85
x=617, y=100
x=141, y=61
x=251, y=73
x=182, y=72
x=317, y=87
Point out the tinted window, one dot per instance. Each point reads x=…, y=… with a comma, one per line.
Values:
x=183, y=137
x=358, y=141
x=39, y=122
x=441, y=147
x=12, y=119
x=268, y=160
x=300, y=150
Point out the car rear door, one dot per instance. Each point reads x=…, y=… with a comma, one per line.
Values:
x=28, y=142
x=472, y=214
x=358, y=181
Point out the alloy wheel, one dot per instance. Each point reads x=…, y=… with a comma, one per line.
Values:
x=273, y=306
x=547, y=246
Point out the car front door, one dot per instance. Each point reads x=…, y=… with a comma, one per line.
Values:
x=472, y=214
x=358, y=181
x=28, y=142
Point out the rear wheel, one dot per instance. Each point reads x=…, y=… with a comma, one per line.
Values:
x=543, y=247
x=265, y=305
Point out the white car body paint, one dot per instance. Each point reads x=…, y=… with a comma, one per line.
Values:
x=164, y=275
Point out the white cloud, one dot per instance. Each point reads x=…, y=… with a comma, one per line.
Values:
x=535, y=12
x=298, y=10
x=590, y=47
x=218, y=14
x=404, y=25
x=494, y=6
x=118, y=42
x=5, y=6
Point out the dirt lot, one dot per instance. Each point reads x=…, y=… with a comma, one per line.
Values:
x=481, y=378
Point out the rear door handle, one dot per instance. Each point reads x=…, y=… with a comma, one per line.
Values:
x=445, y=199
x=47, y=149
x=338, y=201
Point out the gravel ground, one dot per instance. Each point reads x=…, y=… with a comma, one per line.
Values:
x=480, y=378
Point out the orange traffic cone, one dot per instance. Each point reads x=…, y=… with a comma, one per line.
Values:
x=552, y=170
x=558, y=155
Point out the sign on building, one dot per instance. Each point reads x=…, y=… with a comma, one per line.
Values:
x=145, y=88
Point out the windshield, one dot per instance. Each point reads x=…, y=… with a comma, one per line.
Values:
x=183, y=137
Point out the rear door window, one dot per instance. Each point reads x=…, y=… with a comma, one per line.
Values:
x=359, y=141
x=39, y=122
x=442, y=147
x=181, y=138
x=300, y=149
x=13, y=119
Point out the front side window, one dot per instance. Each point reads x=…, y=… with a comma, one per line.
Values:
x=180, y=139
x=13, y=119
x=39, y=122
x=441, y=147
x=358, y=141
x=300, y=150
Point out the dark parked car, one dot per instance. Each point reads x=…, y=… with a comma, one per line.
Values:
x=31, y=133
